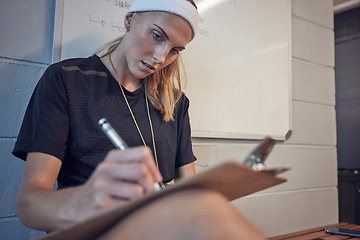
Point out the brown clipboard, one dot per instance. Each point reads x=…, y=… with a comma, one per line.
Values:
x=232, y=179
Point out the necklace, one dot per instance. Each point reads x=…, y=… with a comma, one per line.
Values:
x=134, y=119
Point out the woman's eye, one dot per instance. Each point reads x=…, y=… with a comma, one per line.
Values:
x=174, y=51
x=156, y=36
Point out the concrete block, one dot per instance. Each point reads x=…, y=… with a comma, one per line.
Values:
x=290, y=211
x=317, y=11
x=11, y=174
x=313, y=83
x=19, y=81
x=312, y=42
x=304, y=163
x=301, y=38
x=206, y=156
x=27, y=30
x=313, y=124
x=13, y=229
x=322, y=45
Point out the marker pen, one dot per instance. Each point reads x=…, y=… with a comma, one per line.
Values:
x=117, y=140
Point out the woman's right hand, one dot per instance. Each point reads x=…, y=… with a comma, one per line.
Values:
x=121, y=177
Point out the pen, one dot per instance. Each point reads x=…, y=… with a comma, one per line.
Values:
x=117, y=140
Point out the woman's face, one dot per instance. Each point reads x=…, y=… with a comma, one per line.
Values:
x=154, y=40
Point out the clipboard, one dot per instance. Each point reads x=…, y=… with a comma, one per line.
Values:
x=232, y=179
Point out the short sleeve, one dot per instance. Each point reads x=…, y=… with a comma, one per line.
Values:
x=45, y=125
x=185, y=153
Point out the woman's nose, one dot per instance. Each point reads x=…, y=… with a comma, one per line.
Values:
x=160, y=54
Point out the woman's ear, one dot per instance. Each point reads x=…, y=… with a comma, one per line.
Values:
x=127, y=21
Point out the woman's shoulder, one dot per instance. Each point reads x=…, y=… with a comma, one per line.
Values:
x=77, y=63
x=65, y=70
x=70, y=66
x=183, y=103
x=184, y=99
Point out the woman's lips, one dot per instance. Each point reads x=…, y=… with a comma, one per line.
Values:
x=149, y=67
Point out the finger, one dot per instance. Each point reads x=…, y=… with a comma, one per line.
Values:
x=104, y=201
x=121, y=190
x=126, y=172
x=136, y=154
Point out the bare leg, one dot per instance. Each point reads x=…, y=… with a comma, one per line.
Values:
x=188, y=214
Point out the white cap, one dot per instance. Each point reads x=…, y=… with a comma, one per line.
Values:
x=182, y=8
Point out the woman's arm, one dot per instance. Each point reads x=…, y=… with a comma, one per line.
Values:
x=37, y=202
x=185, y=171
x=122, y=176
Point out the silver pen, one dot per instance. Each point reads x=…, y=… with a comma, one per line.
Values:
x=117, y=140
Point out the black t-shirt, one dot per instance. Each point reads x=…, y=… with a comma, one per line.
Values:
x=63, y=113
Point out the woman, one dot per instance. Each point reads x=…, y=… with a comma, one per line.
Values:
x=132, y=85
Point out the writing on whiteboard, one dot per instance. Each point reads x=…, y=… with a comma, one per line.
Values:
x=122, y=4
x=114, y=25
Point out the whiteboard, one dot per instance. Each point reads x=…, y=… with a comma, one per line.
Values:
x=238, y=66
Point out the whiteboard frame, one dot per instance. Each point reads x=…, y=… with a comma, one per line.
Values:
x=58, y=33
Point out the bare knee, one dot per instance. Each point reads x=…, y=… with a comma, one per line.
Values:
x=211, y=216
x=187, y=214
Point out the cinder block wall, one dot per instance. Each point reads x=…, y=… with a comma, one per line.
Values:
x=26, y=30
x=308, y=199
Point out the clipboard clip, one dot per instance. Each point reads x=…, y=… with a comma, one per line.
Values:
x=256, y=159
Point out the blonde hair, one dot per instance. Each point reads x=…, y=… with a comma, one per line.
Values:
x=162, y=87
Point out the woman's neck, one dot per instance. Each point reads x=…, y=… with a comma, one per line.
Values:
x=116, y=64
